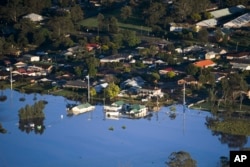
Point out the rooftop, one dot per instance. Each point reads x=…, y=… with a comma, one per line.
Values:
x=227, y=11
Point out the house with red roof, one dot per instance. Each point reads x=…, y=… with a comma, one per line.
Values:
x=165, y=70
x=92, y=46
x=204, y=63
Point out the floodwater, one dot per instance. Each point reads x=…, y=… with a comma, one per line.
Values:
x=87, y=141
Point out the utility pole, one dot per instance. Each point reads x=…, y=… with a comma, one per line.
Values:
x=88, y=88
x=11, y=78
x=184, y=98
x=237, y=47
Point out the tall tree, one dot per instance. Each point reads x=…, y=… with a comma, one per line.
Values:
x=66, y=3
x=126, y=12
x=13, y=10
x=112, y=90
x=192, y=69
x=182, y=9
x=155, y=13
x=100, y=21
x=60, y=26
x=130, y=38
x=233, y=88
x=113, y=25
x=92, y=64
x=203, y=35
x=76, y=13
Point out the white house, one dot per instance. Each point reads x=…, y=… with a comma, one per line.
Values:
x=20, y=64
x=34, y=17
x=31, y=58
x=208, y=23
x=112, y=58
x=151, y=92
x=210, y=55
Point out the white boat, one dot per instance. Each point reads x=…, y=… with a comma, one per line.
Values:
x=82, y=108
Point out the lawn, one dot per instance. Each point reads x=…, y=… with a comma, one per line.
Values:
x=92, y=23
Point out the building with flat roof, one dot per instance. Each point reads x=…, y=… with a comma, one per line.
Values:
x=227, y=11
x=238, y=22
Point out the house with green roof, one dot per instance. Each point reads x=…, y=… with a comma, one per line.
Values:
x=137, y=110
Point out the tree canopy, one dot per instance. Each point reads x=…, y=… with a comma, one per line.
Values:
x=180, y=159
x=112, y=90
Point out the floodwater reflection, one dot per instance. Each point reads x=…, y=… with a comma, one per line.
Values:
x=31, y=117
x=233, y=141
x=83, y=139
x=35, y=125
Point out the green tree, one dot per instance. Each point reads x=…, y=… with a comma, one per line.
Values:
x=130, y=38
x=171, y=74
x=126, y=12
x=155, y=77
x=76, y=13
x=180, y=159
x=2, y=42
x=113, y=25
x=100, y=22
x=60, y=26
x=155, y=13
x=218, y=35
x=112, y=90
x=107, y=3
x=192, y=69
x=233, y=88
x=78, y=71
x=35, y=5
x=66, y=3
x=203, y=35
x=13, y=10
x=195, y=17
x=92, y=64
x=153, y=50
x=40, y=36
x=92, y=92
x=182, y=9
x=118, y=40
x=202, y=79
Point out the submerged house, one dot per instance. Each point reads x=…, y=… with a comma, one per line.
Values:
x=137, y=110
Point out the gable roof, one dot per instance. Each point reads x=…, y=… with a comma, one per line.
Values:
x=204, y=63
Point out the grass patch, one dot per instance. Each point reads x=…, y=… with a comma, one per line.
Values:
x=92, y=22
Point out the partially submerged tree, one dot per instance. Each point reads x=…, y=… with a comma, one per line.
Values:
x=180, y=159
